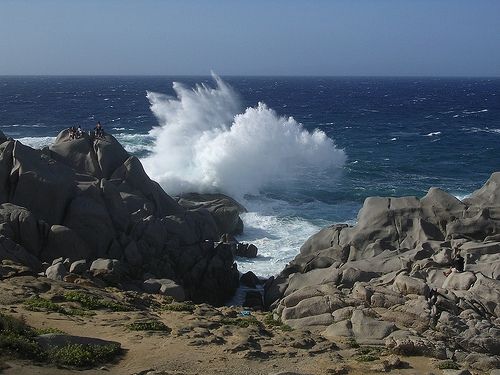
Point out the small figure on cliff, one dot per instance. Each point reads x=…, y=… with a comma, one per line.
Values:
x=72, y=132
x=458, y=263
x=98, y=130
x=79, y=132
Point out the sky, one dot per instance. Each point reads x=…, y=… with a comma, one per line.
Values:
x=254, y=37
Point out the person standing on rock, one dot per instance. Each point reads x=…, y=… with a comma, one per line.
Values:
x=79, y=132
x=98, y=130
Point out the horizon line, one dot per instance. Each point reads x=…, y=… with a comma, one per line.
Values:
x=253, y=76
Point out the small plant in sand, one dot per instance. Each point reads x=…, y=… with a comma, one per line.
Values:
x=352, y=343
x=448, y=365
x=150, y=325
x=276, y=323
x=243, y=322
x=92, y=302
x=374, y=350
x=179, y=306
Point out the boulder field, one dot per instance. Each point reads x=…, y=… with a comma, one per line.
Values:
x=383, y=281
x=84, y=211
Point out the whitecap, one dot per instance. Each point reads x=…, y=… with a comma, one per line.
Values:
x=474, y=112
x=432, y=134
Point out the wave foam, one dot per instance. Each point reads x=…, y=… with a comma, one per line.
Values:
x=205, y=142
x=37, y=142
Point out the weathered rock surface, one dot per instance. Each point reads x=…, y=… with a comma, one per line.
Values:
x=89, y=200
x=385, y=280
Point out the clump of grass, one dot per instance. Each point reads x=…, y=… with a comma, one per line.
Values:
x=91, y=302
x=352, y=343
x=17, y=340
x=240, y=322
x=46, y=330
x=179, y=306
x=150, y=325
x=168, y=299
x=276, y=323
x=367, y=358
x=42, y=304
x=79, y=355
x=448, y=365
x=369, y=350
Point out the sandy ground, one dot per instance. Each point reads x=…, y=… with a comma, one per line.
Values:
x=197, y=342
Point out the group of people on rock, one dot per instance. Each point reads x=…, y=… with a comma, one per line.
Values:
x=77, y=132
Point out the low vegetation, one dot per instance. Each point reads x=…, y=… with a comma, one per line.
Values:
x=179, y=306
x=240, y=322
x=78, y=355
x=352, y=343
x=17, y=340
x=150, y=325
x=269, y=321
x=42, y=304
x=448, y=365
x=92, y=302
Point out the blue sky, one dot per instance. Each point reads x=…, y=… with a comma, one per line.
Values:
x=255, y=37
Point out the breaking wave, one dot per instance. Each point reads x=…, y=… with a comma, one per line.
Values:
x=206, y=141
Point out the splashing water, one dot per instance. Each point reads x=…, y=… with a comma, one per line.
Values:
x=205, y=142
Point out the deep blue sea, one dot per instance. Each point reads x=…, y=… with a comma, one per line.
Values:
x=348, y=138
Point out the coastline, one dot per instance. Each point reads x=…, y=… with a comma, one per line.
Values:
x=349, y=286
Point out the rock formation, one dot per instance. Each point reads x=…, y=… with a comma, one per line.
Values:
x=90, y=204
x=382, y=281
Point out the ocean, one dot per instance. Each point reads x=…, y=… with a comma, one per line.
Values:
x=300, y=153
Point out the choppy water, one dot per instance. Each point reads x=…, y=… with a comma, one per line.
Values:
x=377, y=136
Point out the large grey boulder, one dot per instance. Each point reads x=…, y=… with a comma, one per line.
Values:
x=56, y=272
x=166, y=287
x=368, y=330
x=225, y=210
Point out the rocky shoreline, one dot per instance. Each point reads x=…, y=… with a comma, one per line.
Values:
x=82, y=216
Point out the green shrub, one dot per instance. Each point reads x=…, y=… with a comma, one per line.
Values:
x=44, y=331
x=240, y=322
x=42, y=304
x=276, y=323
x=151, y=325
x=17, y=339
x=79, y=355
x=369, y=350
x=448, y=365
x=91, y=302
x=352, y=343
x=179, y=306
